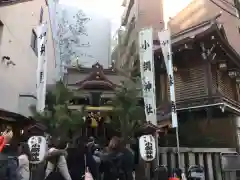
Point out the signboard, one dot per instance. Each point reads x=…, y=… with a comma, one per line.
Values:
x=148, y=74
x=38, y=148
x=42, y=67
x=165, y=43
x=147, y=147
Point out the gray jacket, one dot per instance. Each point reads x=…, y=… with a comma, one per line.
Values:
x=23, y=167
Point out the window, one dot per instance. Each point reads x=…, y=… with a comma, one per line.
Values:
x=41, y=16
x=237, y=6
x=1, y=31
x=34, y=44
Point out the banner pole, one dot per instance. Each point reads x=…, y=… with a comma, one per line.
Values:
x=173, y=98
x=165, y=43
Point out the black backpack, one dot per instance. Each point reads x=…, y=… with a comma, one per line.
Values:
x=115, y=167
x=8, y=167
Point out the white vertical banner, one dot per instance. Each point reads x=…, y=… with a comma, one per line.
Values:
x=42, y=67
x=165, y=43
x=148, y=73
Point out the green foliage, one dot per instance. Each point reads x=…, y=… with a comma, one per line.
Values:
x=57, y=116
x=128, y=113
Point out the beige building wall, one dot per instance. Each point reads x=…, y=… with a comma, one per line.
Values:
x=18, y=81
x=200, y=10
x=138, y=14
x=187, y=13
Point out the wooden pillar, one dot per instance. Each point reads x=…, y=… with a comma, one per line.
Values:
x=217, y=165
x=236, y=123
x=173, y=160
x=164, y=159
x=200, y=159
x=210, y=167
x=191, y=159
x=182, y=162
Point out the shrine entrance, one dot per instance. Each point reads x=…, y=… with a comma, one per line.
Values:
x=94, y=89
x=98, y=123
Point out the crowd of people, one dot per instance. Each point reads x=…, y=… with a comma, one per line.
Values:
x=65, y=161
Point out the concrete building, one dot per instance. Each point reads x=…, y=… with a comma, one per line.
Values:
x=138, y=14
x=18, y=53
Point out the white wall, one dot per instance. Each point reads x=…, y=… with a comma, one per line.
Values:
x=19, y=20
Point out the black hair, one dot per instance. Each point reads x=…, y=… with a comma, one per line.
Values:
x=58, y=143
x=62, y=144
x=81, y=145
x=11, y=148
x=25, y=150
x=91, y=139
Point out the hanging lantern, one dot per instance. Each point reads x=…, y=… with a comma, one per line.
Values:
x=233, y=73
x=147, y=147
x=175, y=69
x=222, y=66
x=238, y=80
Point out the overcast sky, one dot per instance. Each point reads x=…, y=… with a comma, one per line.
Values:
x=170, y=10
x=107, y=8
x=113, y=10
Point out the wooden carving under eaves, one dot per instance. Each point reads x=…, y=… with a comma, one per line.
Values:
x=96, y=78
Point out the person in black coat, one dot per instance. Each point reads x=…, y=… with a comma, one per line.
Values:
x=112, y=161
x=76, y=161
x=128, y=163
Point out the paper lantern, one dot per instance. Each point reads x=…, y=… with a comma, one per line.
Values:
x=147, y=147
x=38, y=148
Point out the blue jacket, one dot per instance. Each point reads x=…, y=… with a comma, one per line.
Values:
x=9, y=165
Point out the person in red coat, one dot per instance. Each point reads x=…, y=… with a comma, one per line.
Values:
x=5, y=138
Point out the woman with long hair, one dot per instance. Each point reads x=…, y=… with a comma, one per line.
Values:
x=24, y=159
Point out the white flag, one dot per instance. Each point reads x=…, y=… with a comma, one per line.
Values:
x=165, y=43
x=42, y=67
x=148, y=73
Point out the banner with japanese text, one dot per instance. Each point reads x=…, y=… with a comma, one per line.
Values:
x=42, y=67
x=165, y=43
x=147, y=74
